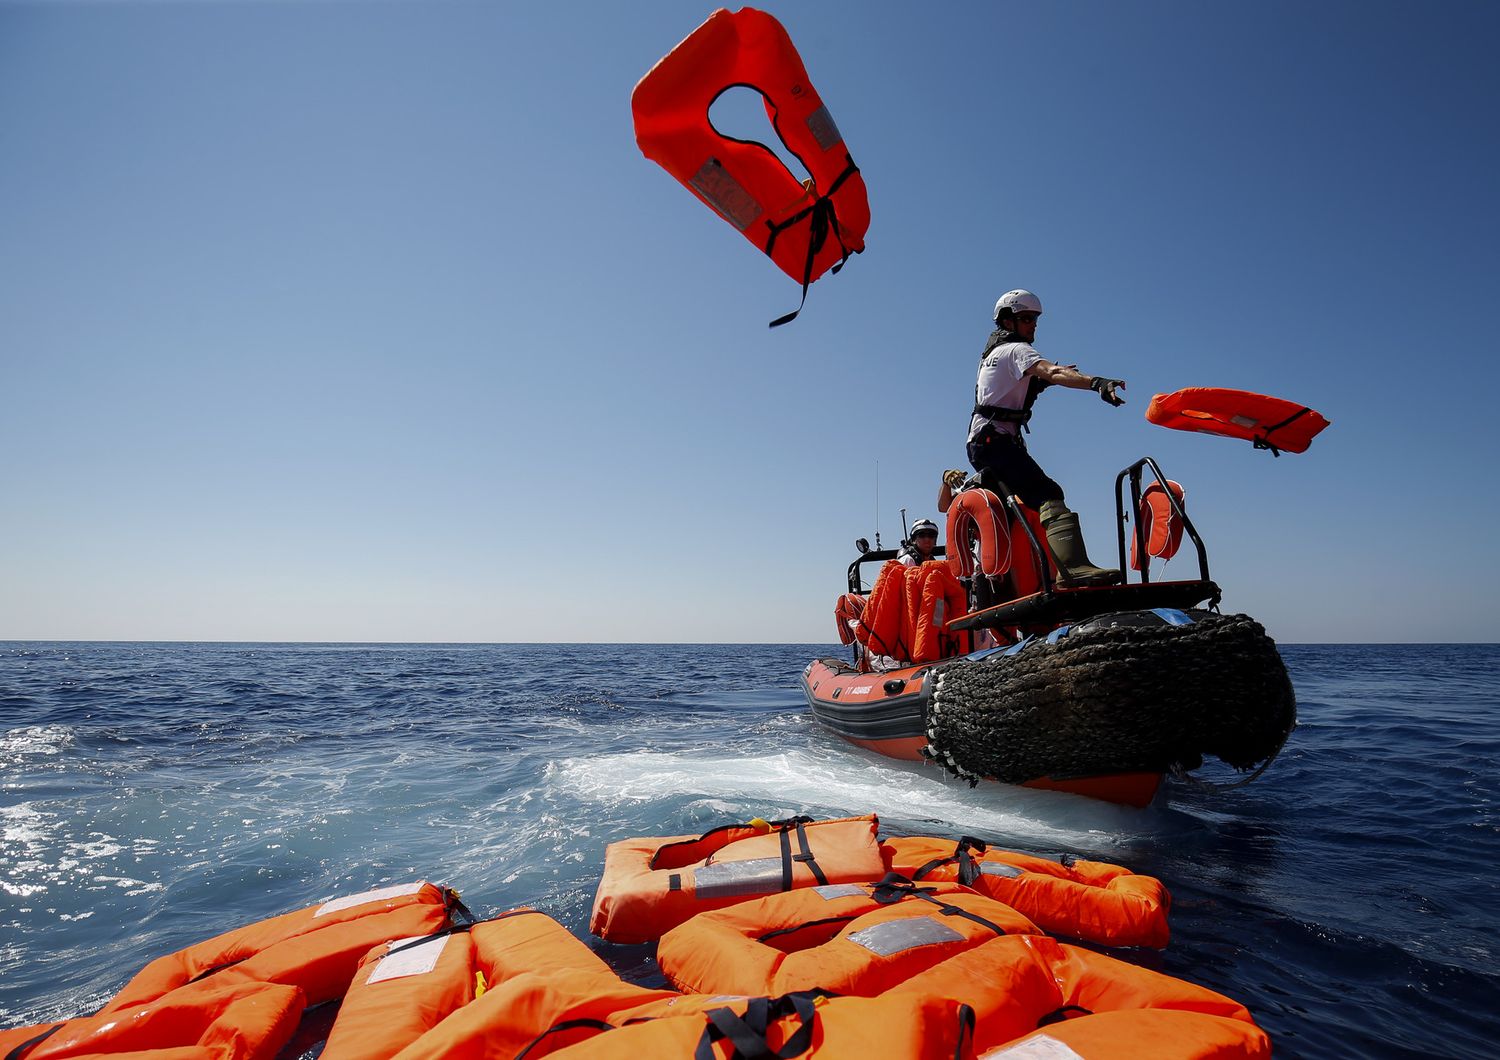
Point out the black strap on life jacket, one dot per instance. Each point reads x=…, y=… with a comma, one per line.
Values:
x=895, y=888
x=824, y=220
x=565, y=1025
x=750, y=1033
x=968, y=872
x=806, y=856
x=1067, y=1012
x=26, y=1046
x=1264, y=439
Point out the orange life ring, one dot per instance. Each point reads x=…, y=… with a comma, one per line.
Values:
x=984, y=513
x=860, y=939
x=232, y=1021
x=1160, y=524
x=1090, y=900
x=1269, y=422
x=317, y=948
x=651, y=885
x=806, y=231
x=1097, y=1005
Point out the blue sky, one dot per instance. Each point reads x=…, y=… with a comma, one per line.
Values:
x=345, y=321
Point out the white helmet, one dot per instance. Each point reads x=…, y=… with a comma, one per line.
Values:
x=1017, y=302
x=923, y=526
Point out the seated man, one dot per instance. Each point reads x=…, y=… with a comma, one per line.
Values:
x=918, y=548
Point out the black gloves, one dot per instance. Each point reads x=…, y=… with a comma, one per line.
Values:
x=1106, y=389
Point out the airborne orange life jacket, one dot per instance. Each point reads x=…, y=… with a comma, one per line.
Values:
x=806, y=231
x=652, y=885
x=1028, y=987
x=1089, y=900
x=858, y=939
x=1269, y=422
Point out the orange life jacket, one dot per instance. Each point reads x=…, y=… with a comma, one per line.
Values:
x=1269, y=422
x=807, y=1024
x=1019, y=984
x=941, y=599
x=806, y=230
x=846, y=614
x=237, y=1021
x=1090, y=900
x=1160, y=525
x=453, y=994
x=858, y=939
x=316, y=948
x=880, y=627
x=651, y=885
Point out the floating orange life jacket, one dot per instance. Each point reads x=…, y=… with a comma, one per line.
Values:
x=485, y=990
x=652, y=885
x=806, y=230
x=846, y=613
x=316, y=948
x=1160, y=525
x=804, y=1024
x=238, y=1021
x=1089, y=900
x=1030, y=986
x=858, y=939
x=1270, y=422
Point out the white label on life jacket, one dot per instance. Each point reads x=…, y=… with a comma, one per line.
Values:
x=898, y=936
x=379, y=894
x=1042, y=1047
x=999, y=868
x=414, y=956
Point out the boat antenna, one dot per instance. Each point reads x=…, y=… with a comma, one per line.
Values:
x=877, y=505
x=905, y=535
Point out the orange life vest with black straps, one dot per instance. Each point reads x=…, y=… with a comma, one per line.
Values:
x=1028, y=987
x=1269, y=422
x=651, y=885
x=858, y=939
x=806, y=231
x=1090, y=900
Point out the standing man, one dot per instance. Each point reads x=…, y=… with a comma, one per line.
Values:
x=1011, y=375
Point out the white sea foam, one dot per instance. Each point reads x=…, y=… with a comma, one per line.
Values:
x=828, y=784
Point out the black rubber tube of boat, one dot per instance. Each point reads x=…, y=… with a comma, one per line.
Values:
x=1119, y=699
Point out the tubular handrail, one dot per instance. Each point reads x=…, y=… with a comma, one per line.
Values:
x=1134, y=471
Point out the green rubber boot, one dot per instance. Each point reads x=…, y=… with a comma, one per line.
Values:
x=1066, y=542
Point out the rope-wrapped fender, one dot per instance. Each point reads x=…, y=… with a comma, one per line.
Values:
x=1109, y=699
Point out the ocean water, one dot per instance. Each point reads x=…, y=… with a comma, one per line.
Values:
x=152, y=795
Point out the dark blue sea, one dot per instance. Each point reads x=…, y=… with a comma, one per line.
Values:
x=152, y=795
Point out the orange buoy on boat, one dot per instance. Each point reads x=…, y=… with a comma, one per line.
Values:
x=1269, y=422
x=652, y=885
x=806, y=230
x=1090, y=900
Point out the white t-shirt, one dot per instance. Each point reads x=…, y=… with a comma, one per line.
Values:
x=1003, y=382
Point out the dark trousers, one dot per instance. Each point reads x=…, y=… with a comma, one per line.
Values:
x=1002, y=458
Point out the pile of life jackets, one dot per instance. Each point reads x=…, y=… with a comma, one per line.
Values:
x=781, y=939
x=907, y=614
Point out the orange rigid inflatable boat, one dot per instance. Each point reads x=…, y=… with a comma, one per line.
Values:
x=881, y=964
x=988, y=663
